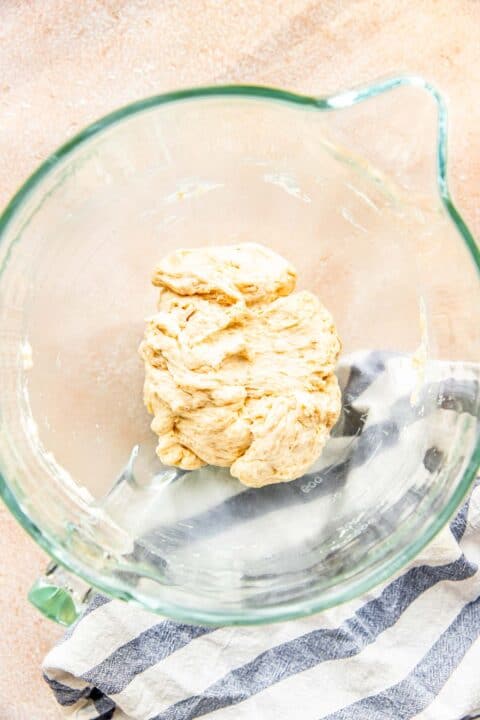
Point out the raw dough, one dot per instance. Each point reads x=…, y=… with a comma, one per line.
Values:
x=239, y=369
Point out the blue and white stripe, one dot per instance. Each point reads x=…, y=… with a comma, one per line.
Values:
x=408, y=650
x=392, y=654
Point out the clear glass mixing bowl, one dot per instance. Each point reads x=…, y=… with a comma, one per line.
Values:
x=352, y=190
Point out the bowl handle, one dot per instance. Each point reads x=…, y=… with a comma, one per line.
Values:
x=59, y=596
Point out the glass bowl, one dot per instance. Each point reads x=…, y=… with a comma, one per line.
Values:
x=352, y=189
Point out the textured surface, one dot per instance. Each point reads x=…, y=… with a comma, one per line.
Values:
x=238, y=367
x=63, y=64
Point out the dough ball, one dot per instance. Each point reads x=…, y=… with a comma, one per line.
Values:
x=239, y=368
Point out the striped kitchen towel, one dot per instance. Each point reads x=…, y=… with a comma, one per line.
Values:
x=408, y=649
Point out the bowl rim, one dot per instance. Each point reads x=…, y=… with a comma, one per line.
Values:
x=355, y=586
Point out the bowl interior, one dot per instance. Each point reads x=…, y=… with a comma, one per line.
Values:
x=376, y=246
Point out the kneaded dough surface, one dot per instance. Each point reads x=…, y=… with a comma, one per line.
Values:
x=239, y=369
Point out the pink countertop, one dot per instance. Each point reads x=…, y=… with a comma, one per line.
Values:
x=63, y=64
